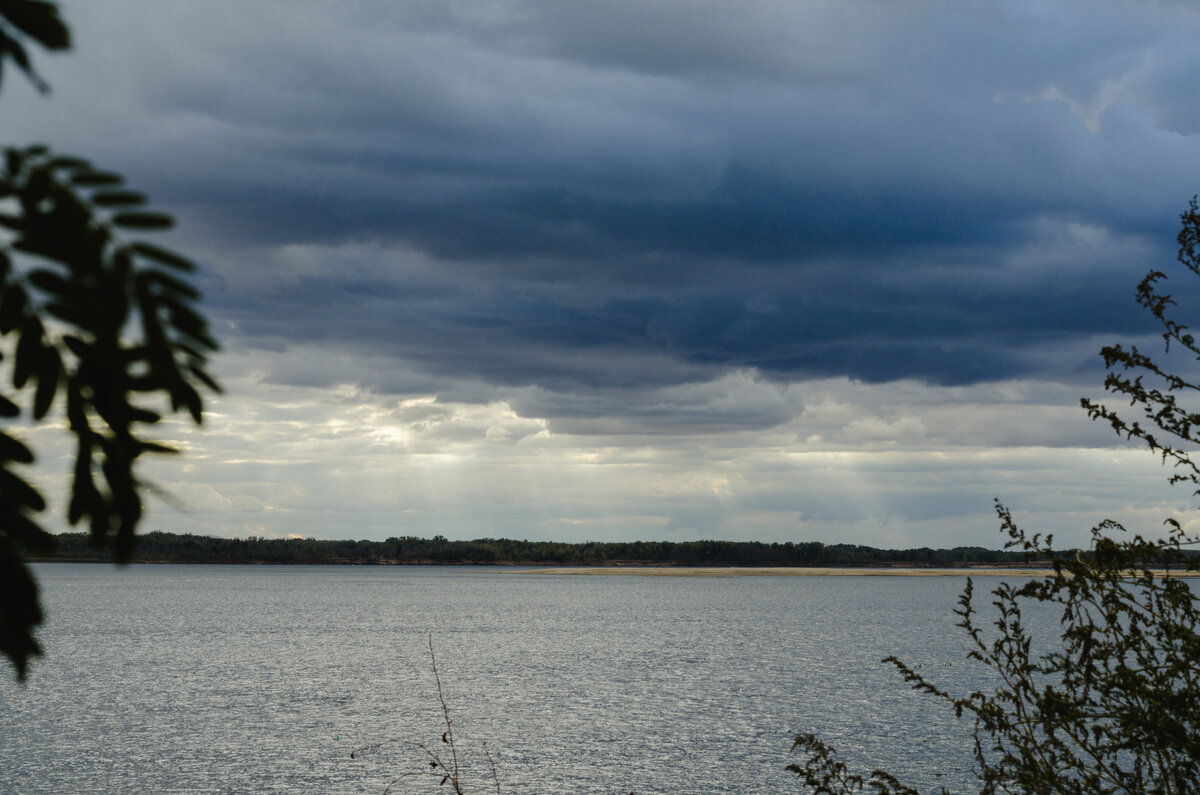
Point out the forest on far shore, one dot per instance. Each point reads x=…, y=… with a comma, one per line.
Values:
x=160, y=547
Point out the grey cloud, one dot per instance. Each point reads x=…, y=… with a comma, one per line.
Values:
x=640, y=195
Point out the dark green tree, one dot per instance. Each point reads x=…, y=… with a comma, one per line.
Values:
x=100, y=326
x=1110, y=701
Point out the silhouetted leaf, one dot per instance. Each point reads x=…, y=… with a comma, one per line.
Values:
x=50, y=249
x=13, y=450
x=29, y=350
x=88, y=179
x=49, y=281
x=39, y=21
x=168, y=284
x=13, y=307
x=204, y=378
x=13, y=160
x=184, y=320
x=84, y=496
x=16, y=490
x=163, y=256
x=68, y=313
x=144, y=221
x=118, y=198
x=61, y=163
x=13, y=49
x=137, y=414
x=77, y=346
x=185, y=395
x=21, y=613
x=48, y=372
x=8, y=408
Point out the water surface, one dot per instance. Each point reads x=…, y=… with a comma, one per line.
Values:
x=264, y=678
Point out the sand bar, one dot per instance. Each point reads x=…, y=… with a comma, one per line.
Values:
x=786, y=571
x=801, y=571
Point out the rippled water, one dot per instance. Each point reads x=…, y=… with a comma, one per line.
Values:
x=265, y=678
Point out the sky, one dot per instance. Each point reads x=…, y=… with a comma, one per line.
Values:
x=762, y=270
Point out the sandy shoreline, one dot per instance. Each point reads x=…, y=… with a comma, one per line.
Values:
x=787, y=571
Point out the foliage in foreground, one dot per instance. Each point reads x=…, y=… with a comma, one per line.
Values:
x=1112, y=702
x=1110, y=705
x=100, y=322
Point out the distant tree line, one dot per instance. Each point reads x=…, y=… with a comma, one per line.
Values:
x=184, y=548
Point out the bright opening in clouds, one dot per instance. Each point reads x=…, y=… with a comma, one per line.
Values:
x=833, y=271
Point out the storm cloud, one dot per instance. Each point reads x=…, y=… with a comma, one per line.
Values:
x=653, y=217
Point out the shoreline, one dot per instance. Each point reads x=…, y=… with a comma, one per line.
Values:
x=646, y=570
x=799, y=571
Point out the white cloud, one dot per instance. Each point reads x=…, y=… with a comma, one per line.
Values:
x=896, y=465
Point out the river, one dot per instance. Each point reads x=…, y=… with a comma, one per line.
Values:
x=176, y=678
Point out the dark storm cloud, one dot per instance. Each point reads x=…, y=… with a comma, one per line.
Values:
x=629, y=195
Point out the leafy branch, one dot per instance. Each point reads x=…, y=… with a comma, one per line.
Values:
x=1161, y=403
x=107, y=323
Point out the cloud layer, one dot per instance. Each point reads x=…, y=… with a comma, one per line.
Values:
x=657, y=223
